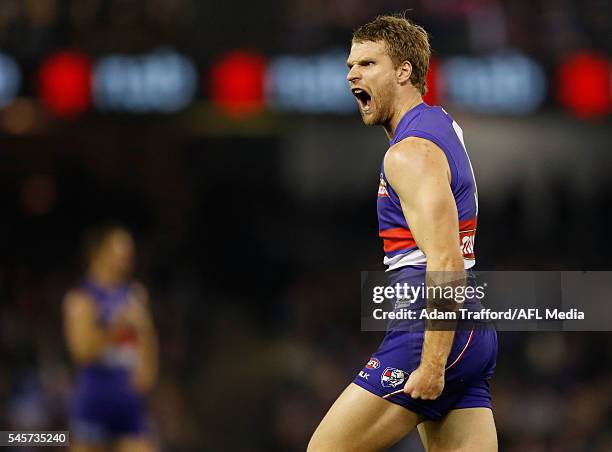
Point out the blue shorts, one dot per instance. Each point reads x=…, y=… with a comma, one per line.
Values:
x=105, y=407
x=469, y=367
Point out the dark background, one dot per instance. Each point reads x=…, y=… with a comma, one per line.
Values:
x=252, y=228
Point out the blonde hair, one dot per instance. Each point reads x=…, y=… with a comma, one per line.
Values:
x=405, y=41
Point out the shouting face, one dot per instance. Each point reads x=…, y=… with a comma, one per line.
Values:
x=372, y=80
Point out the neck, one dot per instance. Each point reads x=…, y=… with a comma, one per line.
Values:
x=403, y=106
x=103, y=276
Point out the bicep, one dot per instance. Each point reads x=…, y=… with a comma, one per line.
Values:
x=433, y=221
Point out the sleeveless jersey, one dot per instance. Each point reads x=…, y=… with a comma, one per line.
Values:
x=436, y=125
x=121, y=353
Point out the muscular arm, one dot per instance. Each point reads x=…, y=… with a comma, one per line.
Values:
x=418, y=171
x=84, y=337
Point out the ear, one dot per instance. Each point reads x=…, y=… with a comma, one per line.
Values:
x=403, y=72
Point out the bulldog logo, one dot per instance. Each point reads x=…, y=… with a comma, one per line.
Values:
x=392, y=377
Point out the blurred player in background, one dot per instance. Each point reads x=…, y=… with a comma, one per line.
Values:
x=427, y=211
x=112, y=340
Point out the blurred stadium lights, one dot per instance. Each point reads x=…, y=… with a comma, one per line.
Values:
x=435, y=84
x=511, y=83
x=162, y=81
x=246, y=83
x=65, y=83
x=584, y=84
x=310, y=84
x=10, y=79
x=237, y=81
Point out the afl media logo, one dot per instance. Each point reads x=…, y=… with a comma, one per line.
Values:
x=373, y=363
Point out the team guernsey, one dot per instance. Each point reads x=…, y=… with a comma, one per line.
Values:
x=435, y=125
x=105, y=404
x=472, y=357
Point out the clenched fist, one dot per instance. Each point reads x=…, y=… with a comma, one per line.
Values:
x=426, y=383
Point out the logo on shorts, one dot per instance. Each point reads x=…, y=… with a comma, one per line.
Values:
x=392, y=377
x=364, y=375
x=373, y=363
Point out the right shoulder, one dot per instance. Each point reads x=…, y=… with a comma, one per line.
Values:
x=415, y=155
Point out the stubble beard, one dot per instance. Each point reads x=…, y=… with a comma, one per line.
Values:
x=383, y=101
x=379, y=118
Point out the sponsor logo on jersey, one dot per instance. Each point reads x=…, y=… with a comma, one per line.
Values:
x=392, y=377
x=373, y=363
x=364, y=375
x=467, y=245
x=382, y=187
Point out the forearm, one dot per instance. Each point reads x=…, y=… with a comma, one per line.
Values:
x=436, y=348
x=442, y=277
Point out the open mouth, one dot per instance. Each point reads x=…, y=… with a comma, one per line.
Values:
x=363, y=98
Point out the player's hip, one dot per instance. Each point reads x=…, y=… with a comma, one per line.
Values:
x=472, y=357
x=470, y=365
